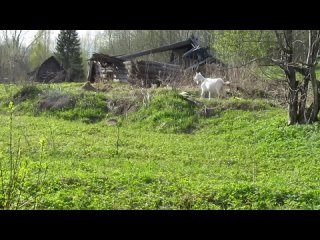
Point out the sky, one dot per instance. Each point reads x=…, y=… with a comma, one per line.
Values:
x=28, y=37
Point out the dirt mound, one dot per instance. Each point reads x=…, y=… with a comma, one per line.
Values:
x=88, y=87
x=104, y=88
x=237, y=104
x=27, y=92
x=112, y=121
x=55, y=101
x=122, y=106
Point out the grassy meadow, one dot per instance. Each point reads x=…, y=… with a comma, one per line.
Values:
x=59, y=147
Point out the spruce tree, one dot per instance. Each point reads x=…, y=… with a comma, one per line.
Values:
x=68, y=52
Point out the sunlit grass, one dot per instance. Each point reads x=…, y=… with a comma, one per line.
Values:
x=170, y=156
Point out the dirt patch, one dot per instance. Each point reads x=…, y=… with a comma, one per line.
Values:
x=122, y=106
x=215, y=109
x=104, y=88
x=56, y=101
x=88, y=87
x=272, y=89
x=246, y=106
x=112, y=121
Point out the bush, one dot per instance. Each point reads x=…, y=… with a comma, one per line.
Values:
x=169, y=112
x=26, y=92
x=56, y=101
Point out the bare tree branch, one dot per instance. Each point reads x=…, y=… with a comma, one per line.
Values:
x=284, y=48
x=247, y=63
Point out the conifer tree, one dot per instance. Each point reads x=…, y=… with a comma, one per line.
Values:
x=68, y=52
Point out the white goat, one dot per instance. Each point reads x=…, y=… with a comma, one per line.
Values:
x=211, y=85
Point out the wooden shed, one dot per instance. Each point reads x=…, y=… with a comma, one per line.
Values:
x=49, y=71
x=126, y=68
x=105, y=67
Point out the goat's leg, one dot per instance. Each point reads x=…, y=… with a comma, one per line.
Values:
x=223, y=92
x=202, y=92
x=209, y=95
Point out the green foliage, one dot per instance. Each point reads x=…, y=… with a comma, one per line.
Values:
x=18, y=171
x=40, y=49
x=244, y=156
x=169, y=112
x=13, y=56
x=69, y=53
x=236, y=46
x=85, y=106
x=239, y=160
x=89, y=108
x=51, y=100
x=84, y=56
x=237, y=104
x=11, y=106
x=87, y=46
x=270, y=72
x=27, y=92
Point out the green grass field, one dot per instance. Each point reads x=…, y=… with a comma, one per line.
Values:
x=165, y=155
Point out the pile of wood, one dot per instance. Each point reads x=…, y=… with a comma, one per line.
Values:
x=145, y=73
x=104, y=58
x=105, y=67
x=121, y=73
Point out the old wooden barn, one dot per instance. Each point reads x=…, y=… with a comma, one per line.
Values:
x=126, y=68
x=49, y=71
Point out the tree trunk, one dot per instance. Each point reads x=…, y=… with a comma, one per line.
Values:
x=291, y=60
x=292, y=96
x=293, y=107
x=315, y=105
x=302, y=117
x=314, y=44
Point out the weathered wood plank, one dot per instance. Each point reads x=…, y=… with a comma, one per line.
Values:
x=183, y=44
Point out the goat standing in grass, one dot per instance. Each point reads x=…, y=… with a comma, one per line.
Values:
x=211, y=85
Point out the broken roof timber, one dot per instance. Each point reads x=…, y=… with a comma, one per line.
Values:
x=104, y=58
x=208, y=60
x=183, y=44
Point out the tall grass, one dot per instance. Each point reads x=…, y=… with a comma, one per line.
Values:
x=168, y=112
x=17, y=170
x=165, y=155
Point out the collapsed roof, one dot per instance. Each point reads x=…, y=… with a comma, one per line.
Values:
x=184, y=55
x=49, y=71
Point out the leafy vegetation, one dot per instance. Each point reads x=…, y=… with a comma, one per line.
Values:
x=237, y=158
x=40, y=49
x=234, y=46
x=52, y=100
x=121, y=147
x=168, y=112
